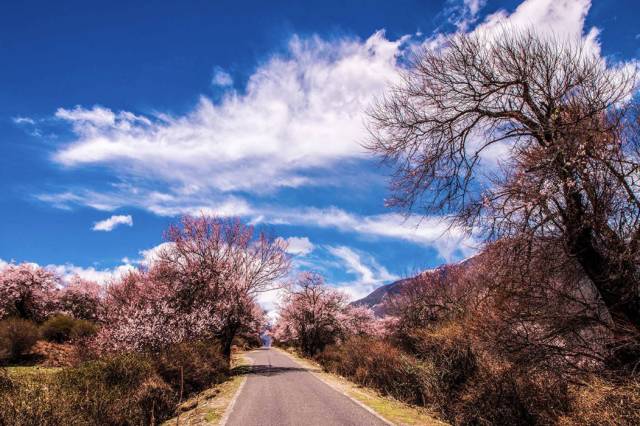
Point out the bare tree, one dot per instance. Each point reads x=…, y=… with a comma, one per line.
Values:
x=570, y=164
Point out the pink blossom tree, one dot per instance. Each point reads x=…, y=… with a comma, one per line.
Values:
x=81, y=299
x=27, y=291
x=202, y=285
x=314, y=315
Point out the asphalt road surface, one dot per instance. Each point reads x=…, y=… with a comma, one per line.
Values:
x=279, y=391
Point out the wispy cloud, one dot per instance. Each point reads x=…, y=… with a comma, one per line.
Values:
x=24, y=120
x=114, y=221
x=221, y=78
x=430, y=231
x=369, y=274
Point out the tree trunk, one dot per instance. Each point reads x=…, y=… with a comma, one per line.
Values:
x=617, y=288
x=227, y=342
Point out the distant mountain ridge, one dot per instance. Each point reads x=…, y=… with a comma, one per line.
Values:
x=376, y=299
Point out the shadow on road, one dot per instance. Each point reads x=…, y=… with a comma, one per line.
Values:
x=266, y=370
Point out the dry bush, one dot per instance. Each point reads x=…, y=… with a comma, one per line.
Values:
x=246, y=341
x=63, y=328
x=17, y=337
x=120, y=390
x=197, y=365
x=603, y=403
x=83, y=330
x=498, y=394
x=449, y=351
x=380, y=365
x=28, y=401
x=125, y=389
x=51, y=354
x=57, y=328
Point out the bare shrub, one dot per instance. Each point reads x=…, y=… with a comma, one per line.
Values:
x=17, y=337
x=194, y=366
x=448, y=349
x=122, y=389
x=498, y=394
x=380, y=365
x=603, y=402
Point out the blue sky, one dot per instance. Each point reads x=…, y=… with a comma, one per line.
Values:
x=118, y=117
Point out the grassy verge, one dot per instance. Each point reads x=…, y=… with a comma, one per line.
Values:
x=29, y=372
x=209, y=406
x=392, y=410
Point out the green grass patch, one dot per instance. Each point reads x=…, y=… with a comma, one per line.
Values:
x=34, y=372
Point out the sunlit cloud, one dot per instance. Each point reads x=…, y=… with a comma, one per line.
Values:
x=113, y=222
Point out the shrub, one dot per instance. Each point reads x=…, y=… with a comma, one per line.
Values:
x=444, y=373
x=602, y=402
x=123, y=389
x=504, y=395
x=118, y=390
x=83, y=329
x=202, y=365
x=57, y=328
x=31, y=400
x=62, y=328
x=247, y=341
x=17, y=337
x=380, y=365
x=450, y=352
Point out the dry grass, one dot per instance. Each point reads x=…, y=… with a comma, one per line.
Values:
x=600, y=402
x=208, y=407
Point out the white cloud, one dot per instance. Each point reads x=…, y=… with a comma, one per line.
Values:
x=150, y=255
x=429, y=231
x=69, y=270
x=101, y=276
x=464, y=13
x=299, y=112
x=299, y=245
x=369, y=274
x=109, y=224
x=221, y=78
x=564, y=18
x=373, y=273
x=24, y=120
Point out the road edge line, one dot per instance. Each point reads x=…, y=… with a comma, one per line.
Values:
x=332, y=386
x=227, y=413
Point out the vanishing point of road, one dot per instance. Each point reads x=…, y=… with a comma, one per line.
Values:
x=281, y=392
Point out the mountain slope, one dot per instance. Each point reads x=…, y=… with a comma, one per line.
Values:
x=375, y=300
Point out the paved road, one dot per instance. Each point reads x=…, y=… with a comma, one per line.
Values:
x=279, y=391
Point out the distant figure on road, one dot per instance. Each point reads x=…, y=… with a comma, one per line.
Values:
x=266, y=340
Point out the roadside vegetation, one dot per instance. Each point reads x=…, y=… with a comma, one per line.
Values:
x=134, y=351
x=543, y=325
